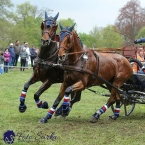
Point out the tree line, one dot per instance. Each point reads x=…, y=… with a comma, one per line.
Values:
x=24, y=22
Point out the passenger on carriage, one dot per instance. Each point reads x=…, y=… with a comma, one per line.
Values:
x=140, y=57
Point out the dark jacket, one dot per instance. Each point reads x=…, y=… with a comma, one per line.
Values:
x=33, y=52
x=12, y=52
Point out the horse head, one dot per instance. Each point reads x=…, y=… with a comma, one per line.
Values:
x=48, y=28
x=65, y=42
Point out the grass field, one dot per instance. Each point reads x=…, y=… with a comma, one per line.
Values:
x=75, y=129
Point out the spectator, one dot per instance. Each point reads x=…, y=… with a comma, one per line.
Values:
x=37, y=51
x=22, y=46
x=17, y=48
x=33, y=55
x=140, y=57
x=28, y=52
x=1, y=62
x=24, y=56
x=6, y=60
x=12, y=52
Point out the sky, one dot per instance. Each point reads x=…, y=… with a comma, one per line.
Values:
x=86, y=13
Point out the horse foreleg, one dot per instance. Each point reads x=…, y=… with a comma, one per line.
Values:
x=44, y=87
x=55, y=104
x=67, y=104
x=64, y=91
x=75, y=97
x=22, y=106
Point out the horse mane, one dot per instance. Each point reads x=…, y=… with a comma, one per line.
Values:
x=79, y=40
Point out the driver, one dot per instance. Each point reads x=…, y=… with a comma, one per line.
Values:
x=142, y=40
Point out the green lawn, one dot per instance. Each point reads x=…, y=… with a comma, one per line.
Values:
x=75, y=129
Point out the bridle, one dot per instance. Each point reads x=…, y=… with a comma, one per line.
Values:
x=68, y=34
x=52, y=25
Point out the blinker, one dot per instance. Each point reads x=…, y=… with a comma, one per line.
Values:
x=49, y=23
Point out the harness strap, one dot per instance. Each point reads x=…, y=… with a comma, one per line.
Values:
x=77, y=69
x=97, y=57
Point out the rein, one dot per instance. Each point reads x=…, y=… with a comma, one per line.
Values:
x=104, y=50
x=43, y=61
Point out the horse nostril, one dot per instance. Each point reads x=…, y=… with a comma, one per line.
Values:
x=60, y=57
x=63, y=57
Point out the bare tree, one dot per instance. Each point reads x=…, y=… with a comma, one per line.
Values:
x=131, y=19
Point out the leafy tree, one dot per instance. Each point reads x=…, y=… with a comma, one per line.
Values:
x=97, y=36
x=131, y=19
x=87, y=39
x=5, y=6
x=141, y=33
x=25, y=10
x=5, y=37
x=107, y=37
x=111, y=37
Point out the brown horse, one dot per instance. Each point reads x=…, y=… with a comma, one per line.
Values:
x=86, y=68
x=43, y=69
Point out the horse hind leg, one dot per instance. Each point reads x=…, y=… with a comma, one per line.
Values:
x=114, y=96
x=116, y=111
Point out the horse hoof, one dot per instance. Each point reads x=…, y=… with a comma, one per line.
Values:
x=94, y=120
x=45, y=105
x=58, y=112
x=113, y=117
x=22, y=109
x=65, y=112
x=43, y=120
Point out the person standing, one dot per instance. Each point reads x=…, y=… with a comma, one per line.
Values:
x=17, y=48
x=12, y=52
x=24, y=56
x=33, y=55
x=6, y=60
x=28, y=52
x=1, y=62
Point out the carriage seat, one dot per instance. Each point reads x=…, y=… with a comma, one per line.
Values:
x=137, y=79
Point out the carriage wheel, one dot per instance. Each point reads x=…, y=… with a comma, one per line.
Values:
x=128, y=108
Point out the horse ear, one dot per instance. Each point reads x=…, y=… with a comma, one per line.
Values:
x=57, y=38
x=72, y=27
x=60, y=25
x=55, y=18
x=46, y=16
x=42, y=26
